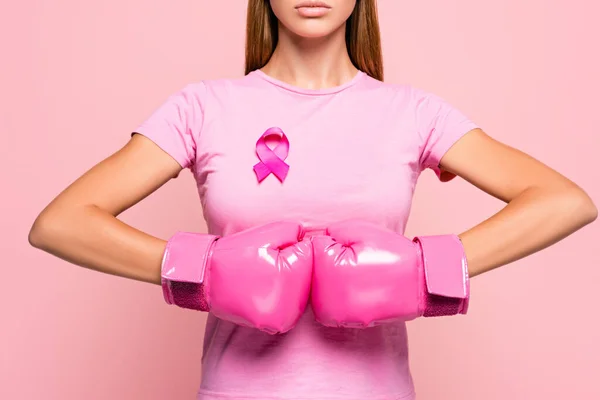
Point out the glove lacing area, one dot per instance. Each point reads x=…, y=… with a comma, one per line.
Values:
x=440, y=306
x=443, y=258
x=190, y=294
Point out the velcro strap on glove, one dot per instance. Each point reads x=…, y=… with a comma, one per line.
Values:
x=184, y=270
x=446, y=275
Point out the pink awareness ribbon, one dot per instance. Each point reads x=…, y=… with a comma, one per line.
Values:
x=272, y=160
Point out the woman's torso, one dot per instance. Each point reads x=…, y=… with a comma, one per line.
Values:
x=355, y=152
x=349, y=158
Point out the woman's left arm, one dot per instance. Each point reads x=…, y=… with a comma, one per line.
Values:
x=542, y=208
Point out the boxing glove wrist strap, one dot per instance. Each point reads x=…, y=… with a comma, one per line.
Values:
x=446, y=275
x=184, y=270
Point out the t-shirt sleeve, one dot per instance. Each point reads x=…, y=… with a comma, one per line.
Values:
x=175, y=125
x=440, y=126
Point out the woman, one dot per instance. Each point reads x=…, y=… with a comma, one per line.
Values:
x=346, y=147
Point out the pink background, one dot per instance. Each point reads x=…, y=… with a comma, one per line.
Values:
x=76, y=76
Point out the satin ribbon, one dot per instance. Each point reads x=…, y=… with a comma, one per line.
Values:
x=272, y=160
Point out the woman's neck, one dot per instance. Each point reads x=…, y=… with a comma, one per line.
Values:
x=311, y=63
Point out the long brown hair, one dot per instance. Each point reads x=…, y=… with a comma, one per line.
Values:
x=363, y=40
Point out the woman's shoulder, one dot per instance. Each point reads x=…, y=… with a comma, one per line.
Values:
x=398, y=90
x=218, y=87
x=201, y=91
x=227, y=82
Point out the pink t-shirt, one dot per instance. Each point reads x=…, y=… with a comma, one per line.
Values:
x=356, y=151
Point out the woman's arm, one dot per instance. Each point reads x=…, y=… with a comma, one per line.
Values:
x=80, y=224
x=543, y=206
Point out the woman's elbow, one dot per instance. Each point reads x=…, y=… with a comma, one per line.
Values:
x=582, y=206
x=591, y=211
x=37, y=234
x=45, y=228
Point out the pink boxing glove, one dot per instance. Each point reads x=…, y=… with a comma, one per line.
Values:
x=257, y=278
x=365, y=275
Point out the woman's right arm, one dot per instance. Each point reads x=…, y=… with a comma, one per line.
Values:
x=80, y=225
